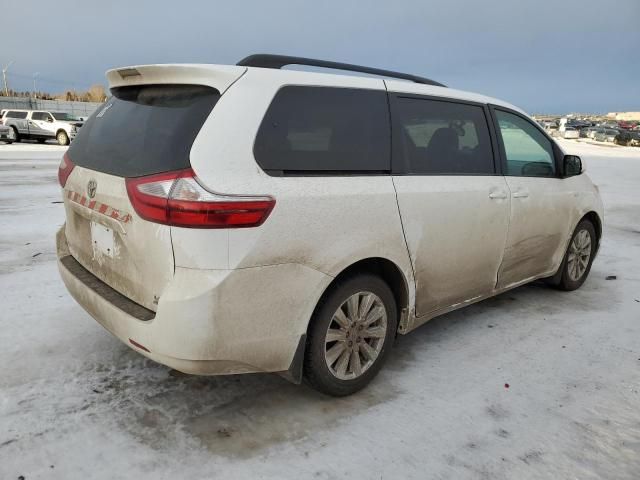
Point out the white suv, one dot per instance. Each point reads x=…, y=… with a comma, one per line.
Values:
x=231, y=219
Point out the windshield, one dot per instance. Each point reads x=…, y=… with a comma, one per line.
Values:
x=65, y=117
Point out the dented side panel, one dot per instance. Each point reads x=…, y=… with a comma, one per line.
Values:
x=455, y=234
x=544, y=212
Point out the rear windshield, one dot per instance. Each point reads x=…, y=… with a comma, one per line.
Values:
x=143, y=130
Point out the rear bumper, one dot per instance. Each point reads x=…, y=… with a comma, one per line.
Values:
x=209, y=322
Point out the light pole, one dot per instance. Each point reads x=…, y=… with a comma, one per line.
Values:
x=4, y=78
x=34, y=84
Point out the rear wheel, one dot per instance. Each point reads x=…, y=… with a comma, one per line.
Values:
x=578, y=259
x=10, y=137
x=14, y=136
x=62, y=137
x=350, y=335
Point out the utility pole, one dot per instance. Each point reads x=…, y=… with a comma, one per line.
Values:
x=35, y=95
x=4, y=78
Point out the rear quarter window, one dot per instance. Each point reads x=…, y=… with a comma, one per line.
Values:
x=19, y=115
x=324, y=130
x=143, y=130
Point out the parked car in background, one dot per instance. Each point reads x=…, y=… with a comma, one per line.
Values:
x=570, y=132
x=626, y=125
x=42, y=125
x=606, y=135
x=628, y=137
x=609, y=124
x=585, y=132
x=266, y=224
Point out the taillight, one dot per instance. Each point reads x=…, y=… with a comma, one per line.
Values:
x=65, y=169
x=178, y=199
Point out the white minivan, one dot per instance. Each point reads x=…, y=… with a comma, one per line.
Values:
x=249, y=218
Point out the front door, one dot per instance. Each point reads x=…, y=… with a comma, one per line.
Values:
x=40, y=124
x=453, y=205
x=540, y=205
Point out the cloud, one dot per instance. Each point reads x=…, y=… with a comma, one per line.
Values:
x=544, y=55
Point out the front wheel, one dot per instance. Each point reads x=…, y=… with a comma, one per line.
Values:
x=350, y=335
x=62, y=137
x=578, y=259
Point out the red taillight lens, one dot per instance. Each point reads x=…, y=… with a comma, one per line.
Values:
x=65, y=169
x=178, y=199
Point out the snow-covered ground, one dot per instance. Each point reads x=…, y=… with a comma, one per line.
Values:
x=75, y=403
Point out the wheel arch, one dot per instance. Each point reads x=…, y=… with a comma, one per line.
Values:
x=594, y=218
x=384, y=268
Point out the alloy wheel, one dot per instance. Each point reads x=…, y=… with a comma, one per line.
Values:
x=355, y=335
x=579, y=255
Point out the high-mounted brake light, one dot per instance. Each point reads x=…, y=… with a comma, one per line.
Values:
x=179, y=199
x=65, y=169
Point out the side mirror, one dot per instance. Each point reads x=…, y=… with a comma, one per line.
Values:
x=572, y=165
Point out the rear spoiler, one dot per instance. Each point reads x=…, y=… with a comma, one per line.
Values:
x=219, y=77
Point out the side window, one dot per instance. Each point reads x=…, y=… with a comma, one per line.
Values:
x=528, y=151
x=38, y=116
x=16, y=115
x=441, y=138
x=316, y=129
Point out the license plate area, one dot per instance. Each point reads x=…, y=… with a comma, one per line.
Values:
x=102, y=240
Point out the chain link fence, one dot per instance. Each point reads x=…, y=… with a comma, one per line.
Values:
x=78, y=109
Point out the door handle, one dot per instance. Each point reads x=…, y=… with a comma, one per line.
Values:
x=521, y=194
x=497, y=195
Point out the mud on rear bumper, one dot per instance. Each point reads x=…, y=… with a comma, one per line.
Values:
x=207, y=322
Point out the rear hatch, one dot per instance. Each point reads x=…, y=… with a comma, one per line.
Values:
x=144, y=129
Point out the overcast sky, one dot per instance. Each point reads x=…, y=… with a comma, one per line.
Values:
x=542, y=55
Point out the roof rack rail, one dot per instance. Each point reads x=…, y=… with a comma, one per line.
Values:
x=264, y=60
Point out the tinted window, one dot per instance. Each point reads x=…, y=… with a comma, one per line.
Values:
x=144, y=129
x=325, y=129
x=63, y=116
x=16, y=115
x=441, y=137
x=39, y=116
x=528, y=151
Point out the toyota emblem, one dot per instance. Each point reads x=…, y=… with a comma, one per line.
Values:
x=91, y=188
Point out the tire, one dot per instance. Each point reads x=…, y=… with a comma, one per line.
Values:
x=16, y=136
x=568, y=278
x=62, y=137
x=339, y=377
